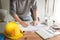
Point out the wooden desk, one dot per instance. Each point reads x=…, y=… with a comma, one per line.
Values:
x=28, y=36
x=34, y=36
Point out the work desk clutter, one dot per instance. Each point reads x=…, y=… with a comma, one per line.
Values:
x=37, y=33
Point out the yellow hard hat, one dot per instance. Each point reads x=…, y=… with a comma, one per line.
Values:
x=12, y=30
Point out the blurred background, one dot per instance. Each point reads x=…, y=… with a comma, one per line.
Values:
x=46, y=10
x=4, y=4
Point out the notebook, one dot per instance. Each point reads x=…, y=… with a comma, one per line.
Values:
x=47, y=33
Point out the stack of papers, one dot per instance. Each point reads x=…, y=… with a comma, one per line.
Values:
x=47, y=33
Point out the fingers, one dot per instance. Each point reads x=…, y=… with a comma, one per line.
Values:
x=25, y=24
x=35, y=23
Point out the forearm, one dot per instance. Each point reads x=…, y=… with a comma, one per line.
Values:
x=20, y=21
x=17, y=19
x=35, y=15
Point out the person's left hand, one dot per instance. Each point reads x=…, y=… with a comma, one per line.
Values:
x=35, y=22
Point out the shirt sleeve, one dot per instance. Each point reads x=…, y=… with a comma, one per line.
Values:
x=34, y=6
x=12, y=7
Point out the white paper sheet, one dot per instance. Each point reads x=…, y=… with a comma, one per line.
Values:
x=33, y=28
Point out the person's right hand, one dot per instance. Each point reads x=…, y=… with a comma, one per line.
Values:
x=25, y=24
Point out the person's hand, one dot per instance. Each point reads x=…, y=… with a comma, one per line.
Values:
x=35, y=22
x=25, y=24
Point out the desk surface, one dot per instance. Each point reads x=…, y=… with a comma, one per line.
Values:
x=34, y=36
x=28, y=36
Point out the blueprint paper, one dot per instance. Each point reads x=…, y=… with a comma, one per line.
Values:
x=33, y=28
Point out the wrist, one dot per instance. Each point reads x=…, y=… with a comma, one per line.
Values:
x=36, y=19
